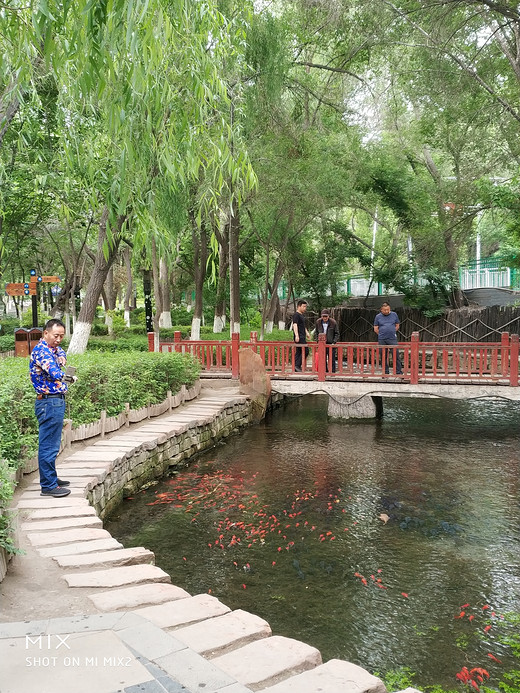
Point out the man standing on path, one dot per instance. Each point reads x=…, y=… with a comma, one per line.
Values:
x=386, y=325
x=49, y=379
x=300, y=335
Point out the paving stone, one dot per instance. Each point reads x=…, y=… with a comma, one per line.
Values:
x=265, y=662
x=190, y=669
x=336, y=675
x=80, y=547
x=152, y=686
x=218, y=635
x=184, y=611
x=70, y=511
x=100, y=657
x=30, y=494
x=132, y=556
x=67, y=536
x=63, y=523
x=78, y=472
x=150, y=641
x=138, y=596
x=19, y=629
x=121, y=443
x=171, y=686
x=238, y=688
x=49, y=502
x=118, y=577
x=83, y=623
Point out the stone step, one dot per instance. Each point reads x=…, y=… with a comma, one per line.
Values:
x=62, y=523
x=184, y=611
x=81, y=471
x=100, y=559
x=334, y=676
x=70, y=536
x=42, y=502
x=56, y=513
x=138, y=596
x=219, y=635
x=32, y=493
x=118, y=577
x=265, y=662
x=80, y=547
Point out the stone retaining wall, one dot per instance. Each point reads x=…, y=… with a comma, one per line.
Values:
x=135, y=469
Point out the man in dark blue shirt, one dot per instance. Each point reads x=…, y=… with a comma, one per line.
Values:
x=386, y=325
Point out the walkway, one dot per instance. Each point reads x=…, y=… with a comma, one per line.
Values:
x=81, y=613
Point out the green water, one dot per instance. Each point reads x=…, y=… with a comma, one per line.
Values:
x=287, y=520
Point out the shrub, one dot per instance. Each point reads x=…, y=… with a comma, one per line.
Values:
x=7, y=342
x=99, y=329
x=8, y=325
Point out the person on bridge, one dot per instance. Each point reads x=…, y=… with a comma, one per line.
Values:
x=386, y=325
x=46, y=367
x=328, y=326
x=300, y=335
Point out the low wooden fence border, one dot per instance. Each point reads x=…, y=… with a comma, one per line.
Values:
x=108, y=424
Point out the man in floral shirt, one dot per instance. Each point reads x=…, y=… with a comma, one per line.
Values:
x=47, y=364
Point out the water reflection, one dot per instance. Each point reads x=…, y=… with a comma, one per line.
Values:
x=285, y=521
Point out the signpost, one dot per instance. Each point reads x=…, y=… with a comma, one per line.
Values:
x=31, y=289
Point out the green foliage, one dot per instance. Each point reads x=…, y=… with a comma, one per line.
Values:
x=6, y=342
x=8, y=325
x=397, y=679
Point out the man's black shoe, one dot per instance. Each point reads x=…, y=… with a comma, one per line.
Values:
x=57, y=492
x=298, y=370
x=62, y=482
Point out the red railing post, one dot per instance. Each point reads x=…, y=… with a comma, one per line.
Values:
x=177, y=338
x=235, y=363
x=513, y=363
x=151, y=341
x=504, y=352
x=322, y=348
x=414, y=359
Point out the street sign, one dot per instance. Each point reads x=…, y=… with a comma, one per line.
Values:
x=46, y=278
x=20, y=290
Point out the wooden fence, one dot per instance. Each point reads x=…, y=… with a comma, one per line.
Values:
x=461, y=325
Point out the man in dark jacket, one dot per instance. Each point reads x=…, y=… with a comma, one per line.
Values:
x=328, y=326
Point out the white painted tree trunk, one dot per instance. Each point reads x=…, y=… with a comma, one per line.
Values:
x=269, y=327
x=219, y=323
x=127, y=318
x=195, y=329
x=80, y=337
x=236, y=328
x=66, y=320
x=109, y=322
x=281, y=324
x=166, y=319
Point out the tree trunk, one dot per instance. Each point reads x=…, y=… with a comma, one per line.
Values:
x=219, y=321
x=234, y=270
x=164, y=287
x=156, y=288
x=274, y=301
x=129, y=284
x=200, y=258
x=102, y=264
x=109, y=300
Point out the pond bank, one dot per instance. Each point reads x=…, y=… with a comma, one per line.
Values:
x=74, y=570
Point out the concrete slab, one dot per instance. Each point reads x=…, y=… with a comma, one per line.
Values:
x=62, y=523
x=80, y=547
x=67, y=536
x=150, y=641
x=265, y=662
x=224, y=633
x=184, y=611
x=236, y=688
x=42, y=502
x=32, y=493
x=331, y=677
x=138, y=596
x=120, y=443
x=190, y=669
x=75, y=472
x=69, y=511
x=132, y=556
x=70, y=666
x=118, y=577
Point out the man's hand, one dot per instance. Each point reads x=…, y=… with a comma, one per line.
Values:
x=70, y=378
x=297, y=338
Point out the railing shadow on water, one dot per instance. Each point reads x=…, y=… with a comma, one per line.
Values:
x=413, y=362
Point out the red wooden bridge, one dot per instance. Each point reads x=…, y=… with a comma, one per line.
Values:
x=484, y=363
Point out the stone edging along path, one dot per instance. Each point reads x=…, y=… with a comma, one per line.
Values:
x=67, y=533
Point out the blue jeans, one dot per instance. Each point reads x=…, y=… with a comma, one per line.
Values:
x=385, y=353
x=50, y=414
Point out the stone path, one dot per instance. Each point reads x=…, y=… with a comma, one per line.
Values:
x=132, y=630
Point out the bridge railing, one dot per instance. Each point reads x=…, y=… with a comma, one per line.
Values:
x=485, y=362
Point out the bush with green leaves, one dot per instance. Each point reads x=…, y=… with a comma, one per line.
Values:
x=8, y=325
x=7, y=342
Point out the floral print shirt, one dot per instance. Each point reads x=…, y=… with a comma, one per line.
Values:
x=45, y=369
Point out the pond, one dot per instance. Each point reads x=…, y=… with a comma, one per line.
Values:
x=391, y=543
